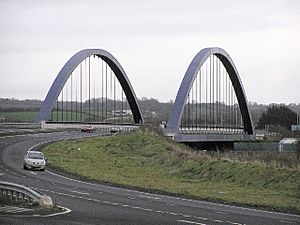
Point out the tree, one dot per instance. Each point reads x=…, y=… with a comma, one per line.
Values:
x=279, y=117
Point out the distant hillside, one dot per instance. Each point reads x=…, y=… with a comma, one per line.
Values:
x=154, y=111
x=15, y=105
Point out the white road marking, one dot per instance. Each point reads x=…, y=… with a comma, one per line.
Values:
x=149, y=197
x=145, y=209
x=233, y=223
x=190, y=222
x=201, y=218
x=223, y=213
x=186, y=216
x=34, y=173
x=21, y=210
x=1, y=174
x=82, y=193
x=286, y=221
x=158, y=211
x=218, y=221
x=55, y=214
x=114, y=203
x=12, y=209
x=170, y=204
x=173, y=214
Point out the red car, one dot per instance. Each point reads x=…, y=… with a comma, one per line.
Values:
x=89, y=129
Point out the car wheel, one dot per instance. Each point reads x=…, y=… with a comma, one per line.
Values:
x=25, y=167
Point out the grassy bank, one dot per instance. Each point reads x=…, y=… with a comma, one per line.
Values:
x=147, y=161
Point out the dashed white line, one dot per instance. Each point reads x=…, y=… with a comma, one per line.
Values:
x=146, y=209
x=218, y=221
x=233, y=223
x=149, y=197
x=286, y=221
x=173, y=214
x=190, y=222
x=170, y=204
x=201, y=218
x=114, y=203
x=81, y=193
x=158, y=211
x=223, y=213
x=186, y=216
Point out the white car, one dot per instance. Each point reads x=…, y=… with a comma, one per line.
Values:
x=34, y=160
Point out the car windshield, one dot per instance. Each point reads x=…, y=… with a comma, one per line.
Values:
x=35, y=155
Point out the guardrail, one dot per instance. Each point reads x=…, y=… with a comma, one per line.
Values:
x=20, y=125
x=21, y=193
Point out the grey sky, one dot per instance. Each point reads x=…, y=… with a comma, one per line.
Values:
x=154, y=41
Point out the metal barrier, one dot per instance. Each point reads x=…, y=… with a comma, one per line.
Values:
x=21, y=193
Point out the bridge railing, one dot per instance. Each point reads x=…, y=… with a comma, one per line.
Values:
x=98, y=126
x=210, y=130
x=20, y=193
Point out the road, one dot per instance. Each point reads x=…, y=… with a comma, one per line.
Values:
x=92, y=203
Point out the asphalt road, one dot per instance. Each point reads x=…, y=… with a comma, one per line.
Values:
x=92, y=203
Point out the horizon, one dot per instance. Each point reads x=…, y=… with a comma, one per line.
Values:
x=146, y=98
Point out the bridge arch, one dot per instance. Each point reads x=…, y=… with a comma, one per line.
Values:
x=188, y=80
x=70, y=66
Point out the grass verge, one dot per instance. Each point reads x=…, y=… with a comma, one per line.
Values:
x=147, y=161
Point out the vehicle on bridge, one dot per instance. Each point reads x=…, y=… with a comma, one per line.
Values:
x=115, y=130
x=34, y=160
x=88, y=129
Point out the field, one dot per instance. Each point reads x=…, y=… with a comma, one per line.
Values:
x=147, y=161
x=18, y=116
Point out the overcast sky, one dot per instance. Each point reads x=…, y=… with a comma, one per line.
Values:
x=154, y=41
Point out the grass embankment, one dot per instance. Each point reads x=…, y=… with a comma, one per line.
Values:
x=147, y=161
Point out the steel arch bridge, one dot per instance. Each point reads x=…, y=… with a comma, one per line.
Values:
x=211, y=104
x=105, y=97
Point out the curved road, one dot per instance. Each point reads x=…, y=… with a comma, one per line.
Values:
x=92, y=203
